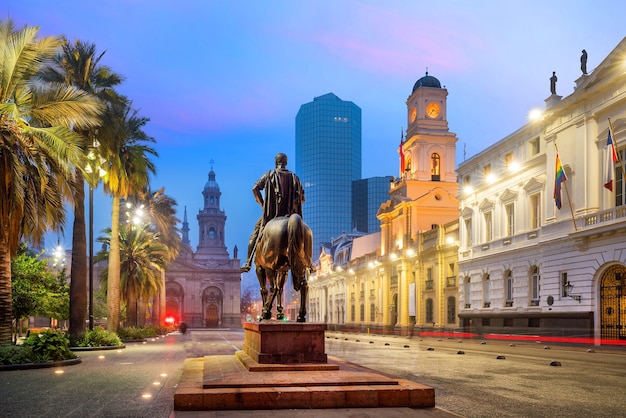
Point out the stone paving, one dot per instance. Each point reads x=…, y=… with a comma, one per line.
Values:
x=140, y=381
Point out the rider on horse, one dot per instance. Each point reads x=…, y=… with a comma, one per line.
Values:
x=284, y=196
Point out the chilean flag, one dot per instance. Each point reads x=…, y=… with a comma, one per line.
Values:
x=611, y=159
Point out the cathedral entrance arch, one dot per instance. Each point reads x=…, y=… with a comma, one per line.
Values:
x=613, y=303
x=212, y=302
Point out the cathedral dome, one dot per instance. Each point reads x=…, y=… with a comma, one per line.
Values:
x=427, y=81
x=211, y=184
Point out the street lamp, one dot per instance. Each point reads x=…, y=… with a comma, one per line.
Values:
x=568, y=292
x=95, y=172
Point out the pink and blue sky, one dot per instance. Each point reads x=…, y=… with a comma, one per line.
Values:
x=223, y=80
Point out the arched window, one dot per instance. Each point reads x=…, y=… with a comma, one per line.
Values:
x=435, y=167
x=211, y=233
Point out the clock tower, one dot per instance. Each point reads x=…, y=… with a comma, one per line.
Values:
x=425, y=194
x=430, y=148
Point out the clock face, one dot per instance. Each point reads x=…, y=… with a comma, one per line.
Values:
x=433, y=110
x=413, y=114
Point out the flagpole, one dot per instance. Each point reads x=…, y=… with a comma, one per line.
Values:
x=619, y=157
x=567, y=193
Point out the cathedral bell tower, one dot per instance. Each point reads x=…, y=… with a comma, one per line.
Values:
x=211, y=221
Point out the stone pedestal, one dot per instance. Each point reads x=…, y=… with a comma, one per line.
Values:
x=278, y=342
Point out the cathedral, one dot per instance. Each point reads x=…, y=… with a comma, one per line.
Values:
x=203, y=288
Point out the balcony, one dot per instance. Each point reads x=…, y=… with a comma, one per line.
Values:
x=451, y=281
x=429, y=284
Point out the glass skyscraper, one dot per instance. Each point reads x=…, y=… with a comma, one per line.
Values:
x=367, y=196
x=328, y=160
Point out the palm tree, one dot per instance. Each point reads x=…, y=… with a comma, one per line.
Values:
x=142, y=258
x=128, y=171
x=161, y=212
x=79, y=65
x=37, y=147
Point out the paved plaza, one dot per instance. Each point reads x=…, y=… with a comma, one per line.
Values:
x=140, y=380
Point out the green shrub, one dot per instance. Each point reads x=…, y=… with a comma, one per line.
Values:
x=15, y=354
x=130, y=333
x=49, y=346
x=99, y=337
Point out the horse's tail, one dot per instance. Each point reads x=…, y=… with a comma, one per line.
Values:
x=297, y=247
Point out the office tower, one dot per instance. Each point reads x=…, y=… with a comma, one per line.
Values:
x=367, y=196
x=328, y=160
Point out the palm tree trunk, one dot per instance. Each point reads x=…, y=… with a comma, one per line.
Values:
x=113, y=282
x=6, y=308
x=131, y=305
x=142, y=306
x=160, y=317
x=78, y=272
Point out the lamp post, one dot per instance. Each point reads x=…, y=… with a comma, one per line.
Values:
x=90, y=257
x=93, y=167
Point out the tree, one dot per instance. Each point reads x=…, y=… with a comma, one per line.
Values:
x=37, y=147
x=142, y=259
x=36, y=290
x=128, y=171
x=161, y=215
x=78, y=65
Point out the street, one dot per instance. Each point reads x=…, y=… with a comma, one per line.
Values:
x=478, y=384
x=140, y=380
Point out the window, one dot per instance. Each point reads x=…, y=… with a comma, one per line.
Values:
x=434, y=167
x=352, y=313
x=211, y=233
x=429, y=278
x=535, y=211
x=486, y=291
x=508, y=287
x=563, y=284
x=372, y=312
x=429, y=310
x=509, y=209
x=451, y=310
x=487, y=170
x=488, y=226
x=534, y=286
x=362, y=313
x=466, y=290
x=534, y=146
x=468, y=232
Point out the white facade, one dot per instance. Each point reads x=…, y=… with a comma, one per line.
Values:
x=518, y=251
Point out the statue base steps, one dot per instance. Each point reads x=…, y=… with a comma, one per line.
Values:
x=241, y=382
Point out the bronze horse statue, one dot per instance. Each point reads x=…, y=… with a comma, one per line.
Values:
x=285, y=244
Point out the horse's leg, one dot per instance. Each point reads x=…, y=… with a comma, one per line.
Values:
x=267, y=307
x=260, y=274
x=282, y=277
x=304, y=287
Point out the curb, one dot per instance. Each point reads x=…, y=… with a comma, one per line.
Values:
x=26, y=366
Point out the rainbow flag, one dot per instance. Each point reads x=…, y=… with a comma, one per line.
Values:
x=559, y=178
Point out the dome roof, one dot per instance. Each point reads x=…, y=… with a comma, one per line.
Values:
x=211, y=184
x=427, y=81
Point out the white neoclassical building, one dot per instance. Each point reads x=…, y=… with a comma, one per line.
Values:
x=527, y=266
